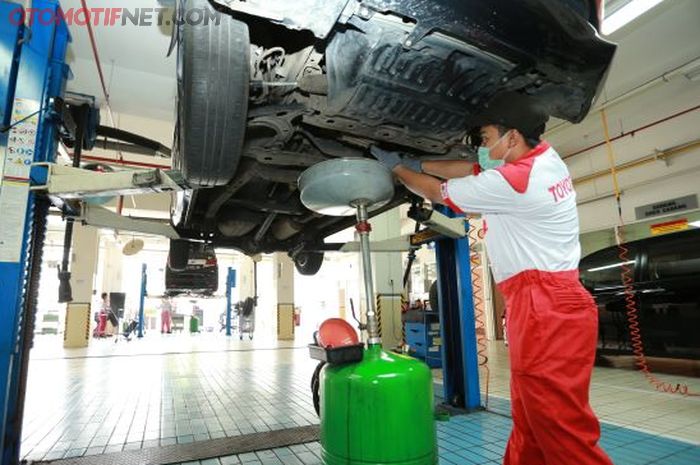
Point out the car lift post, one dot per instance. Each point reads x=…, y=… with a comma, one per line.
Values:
x=230, y=284
x=31, y=75
x=456, y=303
x=142, y=297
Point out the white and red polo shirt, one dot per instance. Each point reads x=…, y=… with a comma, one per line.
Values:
x=530, y=209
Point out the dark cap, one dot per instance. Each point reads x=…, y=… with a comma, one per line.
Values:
x=513, y=111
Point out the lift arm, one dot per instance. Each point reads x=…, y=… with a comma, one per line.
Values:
x=101, y=217
x=67, y=182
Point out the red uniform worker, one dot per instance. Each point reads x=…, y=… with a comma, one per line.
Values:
x=528, y=203
x=166, y=315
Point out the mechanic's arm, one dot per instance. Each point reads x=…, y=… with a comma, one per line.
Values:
x=421, y=184
x=487, y=193
x=445, y=169
x=448, y=169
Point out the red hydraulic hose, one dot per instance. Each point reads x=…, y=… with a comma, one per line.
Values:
x=93, y=44
x=635, y=331
x=627, y=278
x=94, y=50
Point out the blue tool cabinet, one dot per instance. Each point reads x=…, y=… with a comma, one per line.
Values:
x=423, y=339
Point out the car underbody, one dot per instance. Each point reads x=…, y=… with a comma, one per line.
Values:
x=409, y=75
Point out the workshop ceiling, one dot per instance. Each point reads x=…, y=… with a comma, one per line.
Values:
x=662, y=41
x=140, y=78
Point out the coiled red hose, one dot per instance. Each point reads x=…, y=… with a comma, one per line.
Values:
x=635, y=333
x=476, y=234
x=627, y=277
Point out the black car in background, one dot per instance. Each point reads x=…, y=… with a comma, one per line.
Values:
x=197, y=273
x=666, y=289
x=278, y=86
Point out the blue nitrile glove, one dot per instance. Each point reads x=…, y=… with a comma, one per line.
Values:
x=392, y=159
x=413, y=164
x=385, y=157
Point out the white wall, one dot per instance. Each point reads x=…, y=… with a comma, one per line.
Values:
x=665, y=39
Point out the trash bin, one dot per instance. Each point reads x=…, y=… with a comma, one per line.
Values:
x=194, y=324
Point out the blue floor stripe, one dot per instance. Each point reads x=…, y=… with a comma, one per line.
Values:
x=480, y=438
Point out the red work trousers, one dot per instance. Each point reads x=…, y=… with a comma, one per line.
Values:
x=101, y=324
x=552, y=332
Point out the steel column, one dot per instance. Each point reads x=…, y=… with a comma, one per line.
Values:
x=142, y=297
x=456, y=305
x=33, y=73
x=230, y=284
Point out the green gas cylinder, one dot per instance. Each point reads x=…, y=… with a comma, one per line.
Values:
x=194, y=324
x=378, y=411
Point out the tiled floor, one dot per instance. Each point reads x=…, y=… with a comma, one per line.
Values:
x=620, y=398
x=480, y=438
x=179, y=389
x=104, y=403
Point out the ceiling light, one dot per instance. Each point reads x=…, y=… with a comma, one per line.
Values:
x=626, y=14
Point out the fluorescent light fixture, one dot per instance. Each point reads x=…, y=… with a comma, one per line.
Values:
x=627, y=14
x=614, y=265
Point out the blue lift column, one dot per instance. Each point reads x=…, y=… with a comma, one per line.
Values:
x=230, y=284
x=456, y=303
x=32, y=72
x=142, y=298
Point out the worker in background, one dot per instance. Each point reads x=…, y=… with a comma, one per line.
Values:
x=166, y=315
x=524, y=192
x=102, y=316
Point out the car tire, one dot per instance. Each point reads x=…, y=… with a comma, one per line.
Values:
x=212, y=105
x=178, y=254
x=308, y=263
x=179, y=205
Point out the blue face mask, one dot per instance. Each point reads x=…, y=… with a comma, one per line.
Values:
x=485, y=160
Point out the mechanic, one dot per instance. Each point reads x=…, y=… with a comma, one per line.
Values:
x=525, y=194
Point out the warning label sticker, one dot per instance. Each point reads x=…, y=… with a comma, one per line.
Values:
x=15, y=163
